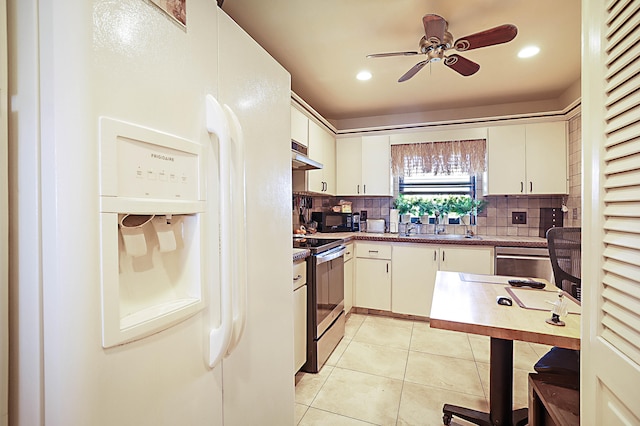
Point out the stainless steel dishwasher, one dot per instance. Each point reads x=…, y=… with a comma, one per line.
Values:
x=529, y=262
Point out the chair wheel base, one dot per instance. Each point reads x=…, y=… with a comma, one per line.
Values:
x=519, y=417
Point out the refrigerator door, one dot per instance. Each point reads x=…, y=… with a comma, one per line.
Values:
x=258, y=374
x=129, y=61
x=4, y=226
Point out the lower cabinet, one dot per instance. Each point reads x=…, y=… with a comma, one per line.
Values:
x=348, y=278
x=415, y=267
x=299, y=315
x=400, y=277
x=413, y=277
x=373, y=276
x=472, y=260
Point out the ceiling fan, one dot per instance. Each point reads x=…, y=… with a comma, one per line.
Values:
x=437, y=40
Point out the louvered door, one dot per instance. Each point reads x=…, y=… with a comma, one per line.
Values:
x=611, y=238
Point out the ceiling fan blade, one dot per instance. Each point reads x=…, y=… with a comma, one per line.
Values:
x=386, y=55
x=434, y=28
x=490, y=37
x=413, y=71
x=461, y=65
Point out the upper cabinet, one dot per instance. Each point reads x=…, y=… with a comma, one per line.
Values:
x=363, y=166
x=299, y=127
x=526, y=159
x=322, y=148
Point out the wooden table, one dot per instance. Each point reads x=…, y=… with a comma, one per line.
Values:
x=467, y=303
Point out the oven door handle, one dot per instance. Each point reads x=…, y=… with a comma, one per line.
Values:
x=330, y=255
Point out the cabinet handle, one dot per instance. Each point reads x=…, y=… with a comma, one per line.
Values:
x=443, y=255
x=373, y=251
x=521, y=186
x=387, y=268
x=297, y=277
x=365, y=189
x=358, y=188
x=530, y=186
x=348, y=252
x=435, y=255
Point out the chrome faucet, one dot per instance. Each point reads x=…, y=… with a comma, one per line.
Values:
x=437, y=229
x=410, y=227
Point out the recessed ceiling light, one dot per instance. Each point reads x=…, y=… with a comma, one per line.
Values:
x=528, y=52
x=363, y=75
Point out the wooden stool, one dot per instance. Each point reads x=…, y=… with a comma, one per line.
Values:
x=552, y=404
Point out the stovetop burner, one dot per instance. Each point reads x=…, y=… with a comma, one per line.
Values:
x=316, y=245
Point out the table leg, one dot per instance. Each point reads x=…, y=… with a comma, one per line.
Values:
x=501, y=380
x=501, y=411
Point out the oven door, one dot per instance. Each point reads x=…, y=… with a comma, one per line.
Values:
x=329, y=288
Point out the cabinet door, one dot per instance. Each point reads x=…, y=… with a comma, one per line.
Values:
x=546, y=155
x=413, y=278
x=300, y=327
x=348, y=285
x=315, y=178
x=376, y=165
x=506, y=172
x=322, y=148
x=373, y=284
x=299, y=127
x=474, y=260
x=349, y=166
x=329, y=161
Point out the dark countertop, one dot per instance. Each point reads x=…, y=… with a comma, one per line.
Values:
x=443, y=239
x=481, y=240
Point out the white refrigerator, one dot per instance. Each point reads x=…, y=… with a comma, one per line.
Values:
x=77, y=356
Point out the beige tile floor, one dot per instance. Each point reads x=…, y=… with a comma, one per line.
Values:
x=389, y=371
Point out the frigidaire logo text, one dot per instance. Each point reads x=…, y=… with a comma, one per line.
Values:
x=162, y=157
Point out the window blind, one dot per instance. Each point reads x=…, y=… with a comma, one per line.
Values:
x=620, y=315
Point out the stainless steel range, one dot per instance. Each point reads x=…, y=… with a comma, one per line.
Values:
x=325, y=318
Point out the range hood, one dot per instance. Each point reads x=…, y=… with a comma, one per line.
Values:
x=302, y=162
x=299, y=159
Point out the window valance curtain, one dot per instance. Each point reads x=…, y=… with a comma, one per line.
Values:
x=464, y=156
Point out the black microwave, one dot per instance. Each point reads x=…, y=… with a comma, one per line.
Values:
x=333, y=222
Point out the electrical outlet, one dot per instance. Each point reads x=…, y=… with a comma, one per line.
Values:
x=519, y=218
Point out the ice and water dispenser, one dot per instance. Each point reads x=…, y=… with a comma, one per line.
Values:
x=151, y=213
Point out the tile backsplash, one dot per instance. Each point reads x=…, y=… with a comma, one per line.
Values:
x=495, y=219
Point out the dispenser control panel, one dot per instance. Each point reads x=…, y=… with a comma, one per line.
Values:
x=149, y=170
x=141, y=163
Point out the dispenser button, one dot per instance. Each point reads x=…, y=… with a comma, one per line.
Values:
x=151, y=175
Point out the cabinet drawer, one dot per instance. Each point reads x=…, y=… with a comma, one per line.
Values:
x=348, y=255
x=373, y=251
x=299, y=274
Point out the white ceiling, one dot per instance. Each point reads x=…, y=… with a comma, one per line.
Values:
x=323, y=44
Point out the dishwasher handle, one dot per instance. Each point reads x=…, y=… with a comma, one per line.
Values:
x=518, y=257
x=504, y=252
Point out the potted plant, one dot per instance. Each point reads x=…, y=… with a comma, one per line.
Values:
x=404, y=207
x=423, y=208
x=465, y=206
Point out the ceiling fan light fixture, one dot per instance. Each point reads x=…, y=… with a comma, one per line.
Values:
x=528, y=52
x=363, y=75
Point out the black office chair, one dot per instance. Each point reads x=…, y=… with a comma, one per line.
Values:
x=562, y=366
x=564, y=249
